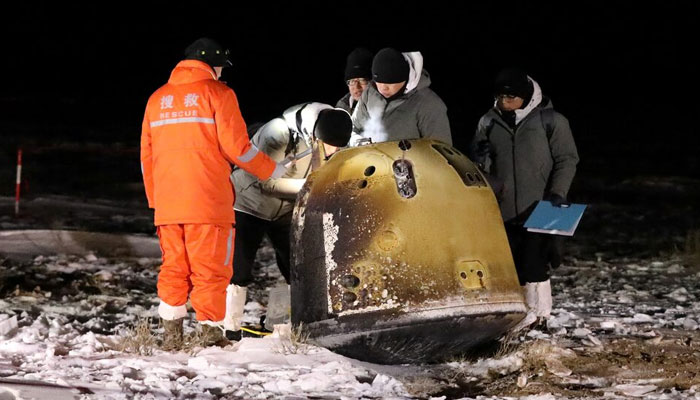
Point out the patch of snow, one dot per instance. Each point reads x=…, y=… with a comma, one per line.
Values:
x=640, y=318
x=634, y=390
x=680, y=295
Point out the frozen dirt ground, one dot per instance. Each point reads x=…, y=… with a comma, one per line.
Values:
x=625, y=320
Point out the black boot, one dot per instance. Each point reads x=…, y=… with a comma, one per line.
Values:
x=214, y=336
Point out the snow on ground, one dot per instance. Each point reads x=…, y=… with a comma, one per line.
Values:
x=70, y=311
x=624, y=326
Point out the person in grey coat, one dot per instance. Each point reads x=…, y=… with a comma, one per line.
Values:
x=358, y=73
x=529, y=150
x=398, y=103
x=265, y=207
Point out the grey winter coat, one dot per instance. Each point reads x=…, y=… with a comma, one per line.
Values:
x=273, y=198
x=525, y=160
x=418, y=113
x=344, y=103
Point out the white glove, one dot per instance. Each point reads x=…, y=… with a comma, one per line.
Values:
x=357, y=140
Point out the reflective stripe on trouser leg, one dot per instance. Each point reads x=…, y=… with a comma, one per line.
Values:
x=174, y=277
x=229, y=247
x=209, y=249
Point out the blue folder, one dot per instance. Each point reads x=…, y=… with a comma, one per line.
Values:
x=546, y=218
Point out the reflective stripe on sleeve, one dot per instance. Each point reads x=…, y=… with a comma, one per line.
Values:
x=252, y=152
x=171, y=121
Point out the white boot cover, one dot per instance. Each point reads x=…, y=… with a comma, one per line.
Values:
x=531, y=296
x=530, y=291
x=170, y=313
x=235, y=301
x=543, y=306
x=278, y=306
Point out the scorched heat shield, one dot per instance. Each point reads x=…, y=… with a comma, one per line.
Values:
x=400, y=255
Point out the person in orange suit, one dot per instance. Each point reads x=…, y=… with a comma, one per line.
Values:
x=192, y=131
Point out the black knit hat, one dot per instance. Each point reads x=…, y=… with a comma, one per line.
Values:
x=389, y=66
x=209, y=51
x=514, y=82
x=333, y=126
x=359, y=64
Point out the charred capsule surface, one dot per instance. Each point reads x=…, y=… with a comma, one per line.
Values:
x=401, y=255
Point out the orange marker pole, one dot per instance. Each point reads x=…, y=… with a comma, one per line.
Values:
x=19, y=180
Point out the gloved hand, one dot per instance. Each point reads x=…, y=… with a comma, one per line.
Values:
x=555, y=199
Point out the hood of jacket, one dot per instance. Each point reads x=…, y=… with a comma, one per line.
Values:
x=535, y=101
x=188, y=71
x=418, y=78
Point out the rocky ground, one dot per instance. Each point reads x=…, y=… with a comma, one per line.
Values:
x=625, y=320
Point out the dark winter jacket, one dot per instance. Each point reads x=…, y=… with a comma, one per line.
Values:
x=273, y=198
x=528, y=161
x=418, y=113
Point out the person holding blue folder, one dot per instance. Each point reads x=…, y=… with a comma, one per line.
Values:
x=528, y=151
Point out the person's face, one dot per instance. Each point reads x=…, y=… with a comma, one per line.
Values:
x=356, y=86
x=329, y=149
x=508, y=102
x=389, y=89
x=218, y=71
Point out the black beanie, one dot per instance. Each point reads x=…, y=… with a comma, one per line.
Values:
x=389, y=66
x=514, y=82
x=333, y=126
x=209, y=51
x=359, y=64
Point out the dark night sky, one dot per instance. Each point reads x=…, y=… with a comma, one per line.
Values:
x=622, y=74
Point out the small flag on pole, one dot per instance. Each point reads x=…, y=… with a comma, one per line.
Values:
x=19, y=180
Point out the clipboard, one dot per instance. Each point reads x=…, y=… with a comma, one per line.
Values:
x=546, y=218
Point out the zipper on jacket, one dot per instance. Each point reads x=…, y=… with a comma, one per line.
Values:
x=515, y=179
x=277, y=213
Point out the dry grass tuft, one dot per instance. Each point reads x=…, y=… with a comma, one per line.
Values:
x=421, y=387
x=138, y=339
x=194, y=342
x=509, y=344
x=298, y=341
x=692, y=249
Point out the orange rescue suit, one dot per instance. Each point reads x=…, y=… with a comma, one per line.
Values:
x=192, y=130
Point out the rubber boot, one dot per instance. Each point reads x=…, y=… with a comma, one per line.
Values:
x=172, y=334
x=213, y=335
